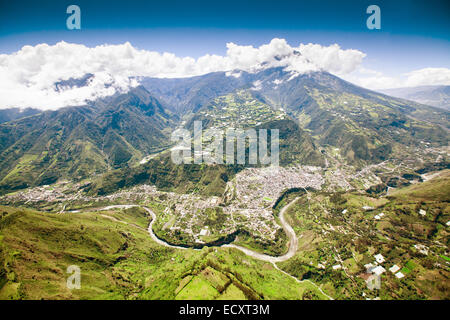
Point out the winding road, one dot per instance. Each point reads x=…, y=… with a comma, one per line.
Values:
x=293, y=241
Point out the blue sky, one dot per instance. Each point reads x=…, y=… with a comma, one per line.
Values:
x=413, y=31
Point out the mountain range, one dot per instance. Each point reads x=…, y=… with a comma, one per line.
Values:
x=363, y=184
x=437, y=96
x=315, y=112
x=75, y=142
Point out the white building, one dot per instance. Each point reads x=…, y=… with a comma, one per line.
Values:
x=204, y=232
x=379, y=258
x=378, y=270
x=421, y=248
x=394, y=268
x=369, y=267
x=379, y=216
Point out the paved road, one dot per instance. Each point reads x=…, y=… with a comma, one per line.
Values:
x=150, y=227
x=293, y=241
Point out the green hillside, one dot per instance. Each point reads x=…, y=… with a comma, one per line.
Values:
x=77, y=142
x=120, y=261
x=408, y=228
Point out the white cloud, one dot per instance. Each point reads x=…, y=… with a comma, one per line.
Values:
x=376, y=80
x=371, y=79
x=428, y=76
x=332, y=58
x=28, y=77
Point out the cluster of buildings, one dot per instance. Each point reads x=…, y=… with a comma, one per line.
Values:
x=376, y=268
x=247, y=202
x=254, y=191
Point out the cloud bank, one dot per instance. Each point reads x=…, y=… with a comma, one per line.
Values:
x=28, y=76
x=428, y=76
x=374, y=80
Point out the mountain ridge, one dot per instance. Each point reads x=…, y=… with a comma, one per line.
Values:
x=437, y=96
x=75, y=142
x=321, y=113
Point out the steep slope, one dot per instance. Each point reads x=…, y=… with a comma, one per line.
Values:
x=281, y=88
x=317, y=113
x=365, y=125
x=316, y=94
x=408, y=228
x=168, y=176
x=78, y=141
x=240, y=109
x=119, y=260
x=187, y=95
x=243, y=109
